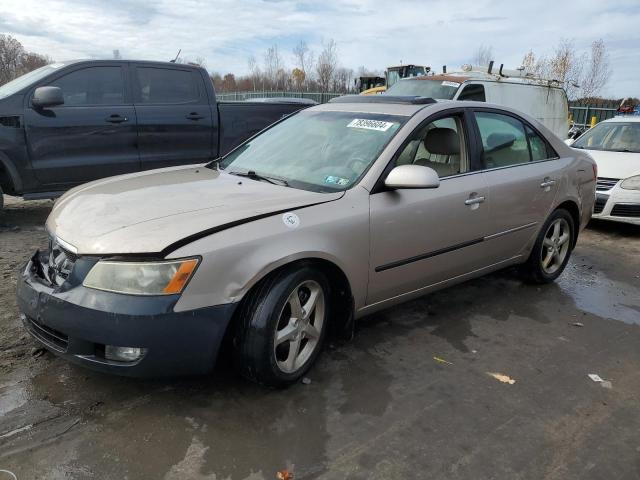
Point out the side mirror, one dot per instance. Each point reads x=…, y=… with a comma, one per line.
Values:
x=46, y=97
x=412, y=176
x=569, y=141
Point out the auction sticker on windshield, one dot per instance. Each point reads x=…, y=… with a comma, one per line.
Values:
x=446, y=83
x=377, y=125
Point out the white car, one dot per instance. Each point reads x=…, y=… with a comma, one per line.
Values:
x=615, y=146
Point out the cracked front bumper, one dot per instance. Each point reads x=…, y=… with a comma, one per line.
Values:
x=77, y=323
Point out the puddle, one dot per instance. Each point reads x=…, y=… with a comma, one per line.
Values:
x=599, y=295
x=12, y=396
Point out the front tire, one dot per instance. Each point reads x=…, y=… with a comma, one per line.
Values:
x=281, y=326
x=552, y=249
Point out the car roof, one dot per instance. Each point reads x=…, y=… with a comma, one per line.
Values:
x=403, y=109
x=149, y=62
x=623, y=118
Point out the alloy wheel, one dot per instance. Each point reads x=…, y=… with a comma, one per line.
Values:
x=299, y=326
x=555, y=246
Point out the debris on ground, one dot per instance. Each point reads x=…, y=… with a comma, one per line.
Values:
x=38, y=352
x=306, y=380
x=284, y=475
x=578, y=324
x=598, y=379
x=502, y=378
x=442, y=360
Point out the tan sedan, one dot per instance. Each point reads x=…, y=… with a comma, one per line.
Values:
x=331, y=214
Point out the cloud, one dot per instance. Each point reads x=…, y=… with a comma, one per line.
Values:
x=373, y=34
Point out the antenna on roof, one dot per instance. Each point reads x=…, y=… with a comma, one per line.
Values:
x=177, y=56
x=490, y=67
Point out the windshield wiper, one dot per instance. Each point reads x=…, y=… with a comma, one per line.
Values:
x=254, y=176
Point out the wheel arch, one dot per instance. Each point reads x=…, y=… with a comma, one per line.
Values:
x=342, y=301
x=573, y=209
x=9, y=178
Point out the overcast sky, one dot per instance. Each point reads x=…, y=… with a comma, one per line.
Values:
x=370, y=33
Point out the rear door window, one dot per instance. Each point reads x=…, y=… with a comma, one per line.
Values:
x=164, y=85
x=92, y=86
x=504, y=141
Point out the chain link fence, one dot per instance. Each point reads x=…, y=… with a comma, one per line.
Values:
x=582, y=112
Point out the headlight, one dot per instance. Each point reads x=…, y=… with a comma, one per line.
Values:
x=631, y=183
x=141, y=278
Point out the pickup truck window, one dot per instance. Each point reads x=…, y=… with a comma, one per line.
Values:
x=163, y=85
x=317, y=151
x=92, y=86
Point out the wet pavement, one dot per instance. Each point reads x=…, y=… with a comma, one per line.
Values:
x=379, y=407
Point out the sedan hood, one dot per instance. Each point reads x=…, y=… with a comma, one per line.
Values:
x=147, y=212
x=616, y=164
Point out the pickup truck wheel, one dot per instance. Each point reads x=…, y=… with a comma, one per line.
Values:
x=281, y=326
x=552, y=249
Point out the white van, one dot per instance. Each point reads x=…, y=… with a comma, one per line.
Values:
x=544, y=100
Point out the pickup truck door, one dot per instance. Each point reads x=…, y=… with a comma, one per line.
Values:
x=92, y=135
x=176, y=125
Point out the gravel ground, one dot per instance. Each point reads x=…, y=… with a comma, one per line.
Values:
x=410, y=397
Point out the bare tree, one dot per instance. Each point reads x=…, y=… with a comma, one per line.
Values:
x=11, y=52
x=566, y=67
x=31, y=61
x=116, y=55
x=200, y=60
x=254, y=68
x=597, y=72
x=327, y=64
x=273, y=64
x=229, y=83
x=482, y=56
x=303, y=58
x=15, y=61
x=533, y=65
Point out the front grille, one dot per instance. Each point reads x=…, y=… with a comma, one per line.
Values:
x=626, y=210
x=601, y=201
x=53, y=338
x=604, y=183
x=60, y=263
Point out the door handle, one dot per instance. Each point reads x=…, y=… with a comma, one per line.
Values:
x=547, y=183
x=473, y=200
x=115, y=118
x=194, y=116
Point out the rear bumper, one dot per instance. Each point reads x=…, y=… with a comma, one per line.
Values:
x=78, y=322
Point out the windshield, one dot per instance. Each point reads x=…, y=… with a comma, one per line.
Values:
x=425, y=88
x=317, y=151
x=612, y=136
x=27, y=79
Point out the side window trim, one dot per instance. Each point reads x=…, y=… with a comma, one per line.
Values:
x=469, y=138
x=136, y=87
x=524, y=122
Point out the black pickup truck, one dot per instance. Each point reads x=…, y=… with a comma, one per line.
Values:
x=68, y=123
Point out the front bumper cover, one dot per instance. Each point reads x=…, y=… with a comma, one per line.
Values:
x=76, y=323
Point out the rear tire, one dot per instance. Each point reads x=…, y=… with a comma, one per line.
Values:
x=281, y=326
x=552, y=249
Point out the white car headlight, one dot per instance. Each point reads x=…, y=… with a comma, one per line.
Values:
x=141, y=278
x=631, y=183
